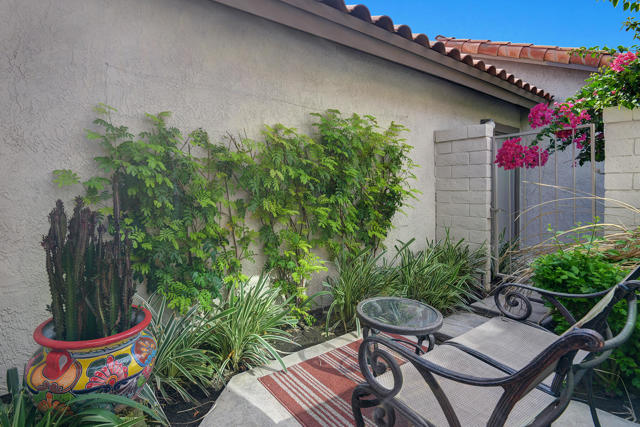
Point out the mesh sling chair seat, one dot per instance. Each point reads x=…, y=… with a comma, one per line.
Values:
x=504, y=372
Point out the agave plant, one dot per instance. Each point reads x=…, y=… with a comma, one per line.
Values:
x=90, y=277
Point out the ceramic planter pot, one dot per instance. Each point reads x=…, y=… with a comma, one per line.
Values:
x=119, y=364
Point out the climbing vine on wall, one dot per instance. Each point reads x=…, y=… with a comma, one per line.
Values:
x=189, y=215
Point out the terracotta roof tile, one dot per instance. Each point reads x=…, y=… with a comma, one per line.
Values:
x=542, y=53
x=458, y=49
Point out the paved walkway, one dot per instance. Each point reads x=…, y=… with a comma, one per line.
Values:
x=245, y=402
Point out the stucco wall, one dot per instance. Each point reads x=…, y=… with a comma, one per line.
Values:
x=214, y=67
x=562, y=82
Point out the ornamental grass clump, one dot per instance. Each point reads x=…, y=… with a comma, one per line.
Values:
x=359, y=277
x=182, y=364
x=445, y=275
x=256, y=319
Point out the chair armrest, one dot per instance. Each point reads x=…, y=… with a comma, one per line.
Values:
x=514, y=298
x=515, y=386
x=579, y=339
x=629, y=326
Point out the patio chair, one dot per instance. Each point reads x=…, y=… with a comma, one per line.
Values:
x=507, y=371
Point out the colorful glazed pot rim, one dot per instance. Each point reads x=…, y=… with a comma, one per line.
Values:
x=44, y=341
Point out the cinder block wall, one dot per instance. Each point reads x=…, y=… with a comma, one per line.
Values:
x=622, y=165
x=463, y=162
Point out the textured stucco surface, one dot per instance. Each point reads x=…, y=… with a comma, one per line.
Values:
x=562, y=82
x=214, y=67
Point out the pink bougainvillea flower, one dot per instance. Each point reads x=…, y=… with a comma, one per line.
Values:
x=613, y=92
x=579, y=140
x=535, y=157
x=540, y=115
x=513, y=155
x=622, y=60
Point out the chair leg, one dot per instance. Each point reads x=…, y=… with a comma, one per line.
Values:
x=357, y=403
x=592, y=406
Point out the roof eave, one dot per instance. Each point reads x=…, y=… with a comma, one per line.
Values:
x=328, y=23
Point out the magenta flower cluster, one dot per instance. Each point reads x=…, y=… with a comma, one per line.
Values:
x=513, y=155
x=540, y=115
x=622, y=60
x=569, y=120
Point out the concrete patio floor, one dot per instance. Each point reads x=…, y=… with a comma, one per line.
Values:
x=246, y=402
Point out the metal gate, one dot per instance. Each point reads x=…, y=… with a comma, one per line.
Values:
x=528, y=205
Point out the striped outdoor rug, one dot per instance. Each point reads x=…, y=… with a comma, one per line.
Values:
x=317, y=392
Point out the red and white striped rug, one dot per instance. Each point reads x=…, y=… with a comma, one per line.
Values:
x=317, y=392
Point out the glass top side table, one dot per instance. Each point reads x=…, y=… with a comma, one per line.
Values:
x=400, y=316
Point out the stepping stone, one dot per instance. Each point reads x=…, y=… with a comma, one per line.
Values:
x=488, y=307
x=459, y=323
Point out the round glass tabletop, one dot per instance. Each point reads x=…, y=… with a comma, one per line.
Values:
x=399, y=315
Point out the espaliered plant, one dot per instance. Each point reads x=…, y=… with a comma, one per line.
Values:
x=190, y=216
x=90, y=278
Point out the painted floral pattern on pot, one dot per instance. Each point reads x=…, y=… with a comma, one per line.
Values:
x=105, y=373
x=120, y=365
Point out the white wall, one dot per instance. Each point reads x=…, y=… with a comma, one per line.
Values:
x=561, y=82
x=214, y=67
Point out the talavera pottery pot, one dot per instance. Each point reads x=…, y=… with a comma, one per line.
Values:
x=119, y=364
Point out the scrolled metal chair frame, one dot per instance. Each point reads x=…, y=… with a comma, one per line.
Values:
x=594, y=337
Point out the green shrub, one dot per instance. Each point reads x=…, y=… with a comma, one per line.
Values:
x=89, y=409
x=255, y=318
x=579, y=271
x=445, y=275
x=187, y=215
x=181, y=362
x=358, y=277
x=184, y=244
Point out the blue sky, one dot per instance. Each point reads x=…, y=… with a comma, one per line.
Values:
x=570, y=23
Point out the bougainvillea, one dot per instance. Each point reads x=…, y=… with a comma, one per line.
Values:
x=540, y=115
x=616, y=84
x=622, y=60
x=513, y=155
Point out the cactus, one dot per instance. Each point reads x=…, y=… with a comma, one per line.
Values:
x=90, y=277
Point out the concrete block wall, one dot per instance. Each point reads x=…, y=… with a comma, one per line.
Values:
x=463, y=166
x=463, y=183
x=622, y=165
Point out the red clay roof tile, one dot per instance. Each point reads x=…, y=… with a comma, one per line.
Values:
x=458, y=49
x=543, y=53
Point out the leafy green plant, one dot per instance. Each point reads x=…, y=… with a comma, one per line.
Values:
x=187, y=215
x=445, y=275
x=338, y=191
x=173, y=206
x=90, y=278
x=181, y=362
x=358, y=277
x=91, y=409
x=255, y=319
x=583, y=270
